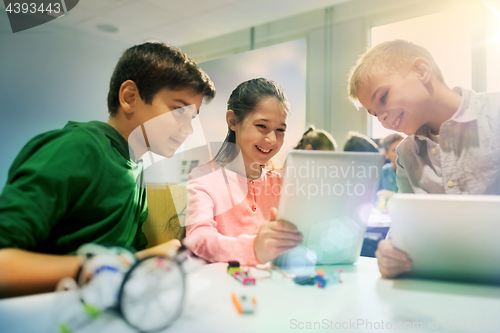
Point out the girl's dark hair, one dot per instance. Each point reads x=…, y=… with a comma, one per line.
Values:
x=318, y=139
x=154, y=66
x=360, y=142
x=242, y=102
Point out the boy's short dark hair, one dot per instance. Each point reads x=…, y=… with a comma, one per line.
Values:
x=154, y=66
x=359, y=142
x=390, y=139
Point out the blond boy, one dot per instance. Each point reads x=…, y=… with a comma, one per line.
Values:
x=453, y=144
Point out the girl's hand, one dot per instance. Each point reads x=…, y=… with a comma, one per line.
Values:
x=391, y=262
x=275, y=237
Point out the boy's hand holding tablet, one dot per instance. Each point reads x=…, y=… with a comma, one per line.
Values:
x=391, y=262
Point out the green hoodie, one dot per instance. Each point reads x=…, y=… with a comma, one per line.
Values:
x=73, y=186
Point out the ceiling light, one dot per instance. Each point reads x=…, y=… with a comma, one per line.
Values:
x=107, y=28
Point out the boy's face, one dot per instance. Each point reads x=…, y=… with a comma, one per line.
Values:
x=399, y=103
x=167, y=120
x=391, y=152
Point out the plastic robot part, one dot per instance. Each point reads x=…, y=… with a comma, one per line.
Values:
x=244, y=278
x=234, y=269
x=321, y=279
x=304, y=280
x=243, y=304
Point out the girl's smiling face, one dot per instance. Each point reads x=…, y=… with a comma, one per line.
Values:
x=261, y=134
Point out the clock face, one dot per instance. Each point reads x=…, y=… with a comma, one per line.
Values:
x=152, y=294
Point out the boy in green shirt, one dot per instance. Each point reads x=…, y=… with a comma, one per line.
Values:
x=83, y=183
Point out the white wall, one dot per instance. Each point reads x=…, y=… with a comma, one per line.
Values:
x=48, y=76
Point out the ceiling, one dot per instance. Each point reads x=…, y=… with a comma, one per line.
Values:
x=180, y=22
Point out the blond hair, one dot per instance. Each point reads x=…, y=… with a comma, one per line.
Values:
x=394, y=57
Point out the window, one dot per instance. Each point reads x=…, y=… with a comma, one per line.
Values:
x=493, y=45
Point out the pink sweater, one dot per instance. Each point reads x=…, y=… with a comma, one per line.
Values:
x=223, y=217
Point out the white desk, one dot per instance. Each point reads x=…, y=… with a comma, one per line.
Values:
x=283, y=306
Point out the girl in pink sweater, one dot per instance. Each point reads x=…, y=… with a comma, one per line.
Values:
x=232, y=200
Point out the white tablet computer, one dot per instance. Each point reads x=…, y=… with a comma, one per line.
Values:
x=453, y=237
x=328, y=196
